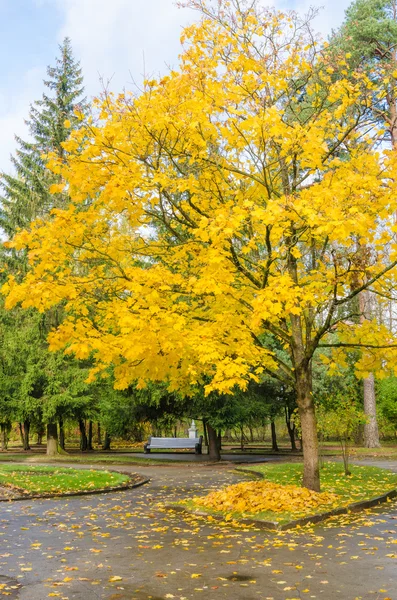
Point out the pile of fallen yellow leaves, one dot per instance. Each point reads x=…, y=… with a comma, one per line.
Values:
x=265, y=496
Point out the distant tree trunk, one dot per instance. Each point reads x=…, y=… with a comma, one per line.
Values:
x=83, y=436
x=213, y=449
x=291, y=428
x=4, y=437
x=251, y=433
x=219, y=440
x=205, y=431
x=61, y=434
x=21, y=433
x=52, y=439
x=274, y=437
x=371, y=433
x=26, y=430
x=99, y=435
x=241, y=438
x=40, y=434
x=90, y=435
x=106, y=442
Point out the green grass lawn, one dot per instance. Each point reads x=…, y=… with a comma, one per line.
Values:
x=84, y=459
x=43, y=480
x=364, y=483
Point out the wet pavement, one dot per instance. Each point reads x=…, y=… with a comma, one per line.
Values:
x=202, y=458
x=124, y=545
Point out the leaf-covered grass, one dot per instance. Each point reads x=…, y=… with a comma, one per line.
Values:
x=280, y=497
x=52, y=480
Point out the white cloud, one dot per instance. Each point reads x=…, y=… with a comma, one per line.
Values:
x=14, y=109
x=122, y=39
x=118, y=40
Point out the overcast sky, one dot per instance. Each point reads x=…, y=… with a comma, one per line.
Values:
x=115, y=40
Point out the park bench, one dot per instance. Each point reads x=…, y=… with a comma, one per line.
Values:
x=174, y=444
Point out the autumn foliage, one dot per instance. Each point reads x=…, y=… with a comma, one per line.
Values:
x=227, y=204
x=252, y=497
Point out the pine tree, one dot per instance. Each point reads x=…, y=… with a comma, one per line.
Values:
x=369, y=37
x=26, y=194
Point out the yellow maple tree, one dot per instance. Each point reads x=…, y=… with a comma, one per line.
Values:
x=223, y=205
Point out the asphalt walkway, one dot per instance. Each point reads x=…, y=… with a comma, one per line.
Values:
x=124, y=545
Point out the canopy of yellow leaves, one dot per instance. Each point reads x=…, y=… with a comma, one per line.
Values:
x=252, y=497
x=233, y=198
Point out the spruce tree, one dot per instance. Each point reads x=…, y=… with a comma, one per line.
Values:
x=26, y=192
x=26, y=196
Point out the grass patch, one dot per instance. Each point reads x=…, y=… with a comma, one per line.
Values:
x=84, y=459
x=246, y=501
x=52, y=480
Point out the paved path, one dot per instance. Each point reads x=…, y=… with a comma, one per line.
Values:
x=71, y=549
x=191, y=457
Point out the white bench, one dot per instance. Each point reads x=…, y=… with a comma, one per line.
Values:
x=174, y=444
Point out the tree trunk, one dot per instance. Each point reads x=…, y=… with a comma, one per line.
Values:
x=205, y=431
x=371, y=433
x=52, y=439
x=311, y=468
x=26, y=430
x=61, y=434
x=106, y=442
x=274, y=436
x=213, y=448
x=291, y=429
x=4, y=437
x=99, y=435
x=40, y=434
x=90, y=434
x=83, y=436
x=21, y=433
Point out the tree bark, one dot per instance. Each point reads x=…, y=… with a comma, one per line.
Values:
x=40, y=434
x=106, y=442
x=213, y=448
x=291, y=429
x=26, y=430
x=61, y=434
x=205, y=431
x=52, y=439
x=311, y=468
x=274, y=436
x=21, y=433
x=371, y=433
x=90, y=435
x=99, y=435
x=4, y=437
x=83, y=436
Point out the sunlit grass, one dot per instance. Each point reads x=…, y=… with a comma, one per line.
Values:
x=363, y=484
x=43, y=480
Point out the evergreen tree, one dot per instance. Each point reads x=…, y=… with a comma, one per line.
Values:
x=26, y=192
x=367, y=40
x=26, y=196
